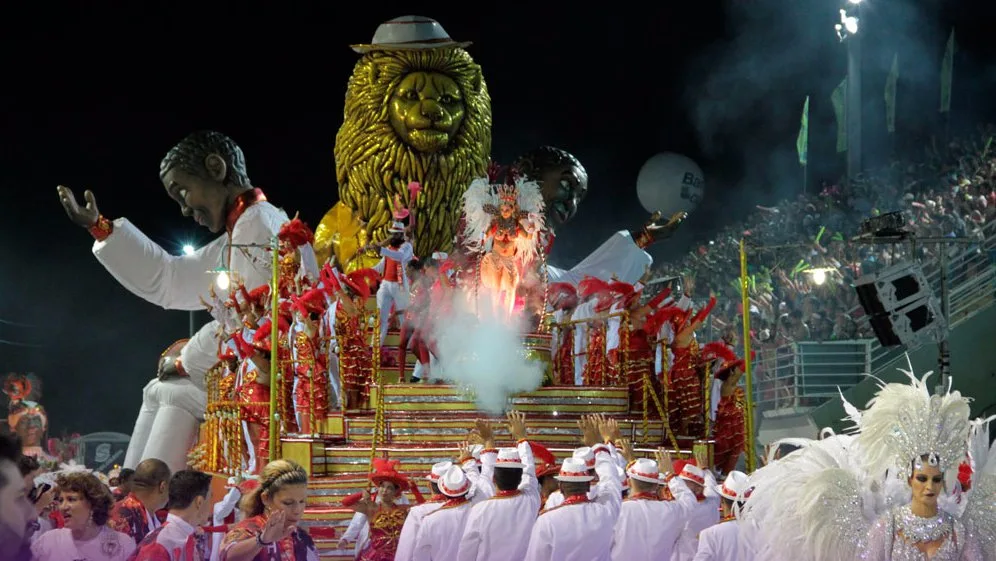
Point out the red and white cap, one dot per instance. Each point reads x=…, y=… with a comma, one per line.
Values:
x=735, y=486
x=454, y=482
x=574, y=470
x=644, y=470
x=693, y=473
x=509, y=458
x=439, y=470
x=586, y=455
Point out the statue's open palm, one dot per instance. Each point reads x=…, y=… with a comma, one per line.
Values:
x=84, y=216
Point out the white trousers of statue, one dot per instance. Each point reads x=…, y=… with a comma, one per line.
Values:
x=167, y=423
x=390, y=294
x=172, y=410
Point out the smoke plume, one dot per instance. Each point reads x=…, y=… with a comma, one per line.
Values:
x=483, y=354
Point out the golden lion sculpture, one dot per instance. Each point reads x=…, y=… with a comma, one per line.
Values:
x=412, y=113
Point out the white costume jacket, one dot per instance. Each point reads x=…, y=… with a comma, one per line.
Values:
x=171, y=410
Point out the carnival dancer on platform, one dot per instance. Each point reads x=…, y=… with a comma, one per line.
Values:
x=685, y=386
x=355, y=354
x=648, y=527
x=330, y=286
x=580, y=528
x=136, y=514
x=512, y=510
x=503, y=215
x=396, y=252
x=591, y=293
x=206, y=175
x=563, y=301
x=722, y=541
x=311, y=382
x=179, y=538
x=416, y=320
x=272, y=512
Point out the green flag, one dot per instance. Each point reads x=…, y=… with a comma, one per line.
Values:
x=947, y=71
x=839, y=100
x=802, y=142
x=890, y=95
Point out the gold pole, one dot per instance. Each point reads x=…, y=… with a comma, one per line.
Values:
x=748, y=366
x=275, y=382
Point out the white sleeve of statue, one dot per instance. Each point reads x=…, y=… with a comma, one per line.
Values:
x=619, y=255
x=150, y=272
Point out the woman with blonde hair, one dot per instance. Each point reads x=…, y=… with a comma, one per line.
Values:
x=85, y=503
x=272, y=510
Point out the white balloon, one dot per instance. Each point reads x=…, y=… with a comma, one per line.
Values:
x=670, y=183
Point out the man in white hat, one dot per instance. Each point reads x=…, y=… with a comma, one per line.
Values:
x=722, y=542
x=395, y=252
x=409, y=532
x=580, y=528
x=649, y=527
x=496, y=527
x=583, y=454
x=702, y=483
x=437, y=536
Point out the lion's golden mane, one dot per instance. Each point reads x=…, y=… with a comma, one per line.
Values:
x=373, y=163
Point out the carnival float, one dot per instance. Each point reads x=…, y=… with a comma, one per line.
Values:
x=434, y=305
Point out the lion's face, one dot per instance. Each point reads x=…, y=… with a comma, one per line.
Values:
x=413, y=115
x=426, y=110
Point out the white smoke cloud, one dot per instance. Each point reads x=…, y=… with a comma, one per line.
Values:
x=484, y=354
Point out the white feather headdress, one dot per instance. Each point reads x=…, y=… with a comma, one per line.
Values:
x=483, y=198
x=904, y=422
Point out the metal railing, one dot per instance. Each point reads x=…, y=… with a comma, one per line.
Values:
x=807, y=374
x=803, y=375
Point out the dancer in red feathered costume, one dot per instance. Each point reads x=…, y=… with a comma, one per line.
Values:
x=634, y=357
x=597, y=298
x=311, y=396
x=563, y=300
x=355, y=356
x=685, y=390
x=719, y=362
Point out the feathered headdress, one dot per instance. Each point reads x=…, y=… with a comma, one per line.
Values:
x=904, y=423
x=296, y=233
x=484, y=197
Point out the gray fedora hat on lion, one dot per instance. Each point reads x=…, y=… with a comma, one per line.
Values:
x=409, y=33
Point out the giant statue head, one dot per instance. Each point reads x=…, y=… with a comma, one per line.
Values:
x=417, y=110
x=562, y=179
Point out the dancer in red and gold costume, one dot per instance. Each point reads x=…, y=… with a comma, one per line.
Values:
x=386, y=517
x=416, y=322
x=685, y=386
x=311, y=381
x=273, y=510
x=563, y=300
x=353, y=337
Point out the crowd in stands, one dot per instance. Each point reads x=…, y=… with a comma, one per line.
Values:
x=949, y=192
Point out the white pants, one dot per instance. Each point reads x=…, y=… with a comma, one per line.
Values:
x=390, y=294
x=167, y=424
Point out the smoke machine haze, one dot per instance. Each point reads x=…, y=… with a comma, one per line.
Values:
x=483, y=353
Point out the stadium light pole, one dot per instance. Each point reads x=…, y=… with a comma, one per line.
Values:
x=847, y=30
x=189, y=250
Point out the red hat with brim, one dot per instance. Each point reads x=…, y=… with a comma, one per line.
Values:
x=386, y=470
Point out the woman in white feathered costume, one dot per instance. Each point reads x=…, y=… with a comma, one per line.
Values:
x=879, y=494
x=503, y=216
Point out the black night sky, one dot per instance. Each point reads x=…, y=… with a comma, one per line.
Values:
x=94, y=99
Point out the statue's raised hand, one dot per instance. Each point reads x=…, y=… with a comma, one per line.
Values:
x=85, y=216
